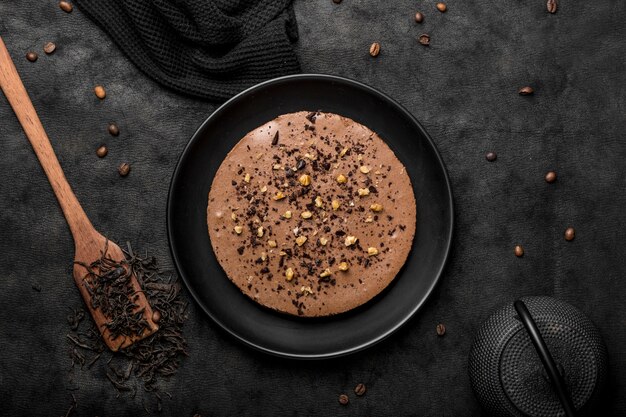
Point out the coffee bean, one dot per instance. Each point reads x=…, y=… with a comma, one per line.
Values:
x=124, y=169
x=526, y=91
x=156, y=316
x=424, y=39
x=419, y=17
x=49, y=48
x=300, y=164
x=375, y=49
x=360, y=390
x=491, y=156
x=66, y=6
x=441, y=329
x=570, y=233
x=102, y=151
x=343, y=399
x=519, y=251
x=336, y=1
x=32, y=57
x=552, y=6
x=100, y=92
x=442, y=7
x=550, y=177
x=114, y=130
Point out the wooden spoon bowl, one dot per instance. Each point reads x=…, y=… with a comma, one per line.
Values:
x=91, y=249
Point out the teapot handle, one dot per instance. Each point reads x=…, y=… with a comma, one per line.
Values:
x=546, y=358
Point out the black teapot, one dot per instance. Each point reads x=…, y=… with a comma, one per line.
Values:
x=538, y=357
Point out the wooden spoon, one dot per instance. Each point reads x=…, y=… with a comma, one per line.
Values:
x=89, y=244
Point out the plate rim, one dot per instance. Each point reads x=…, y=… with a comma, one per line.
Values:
x=383, y=335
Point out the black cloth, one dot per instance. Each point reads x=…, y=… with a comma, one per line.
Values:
x=207, y=48
x=462, y=88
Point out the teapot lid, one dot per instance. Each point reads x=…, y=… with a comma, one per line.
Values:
x=525, y=381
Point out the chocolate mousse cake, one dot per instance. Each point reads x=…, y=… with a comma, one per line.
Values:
x=311, y=214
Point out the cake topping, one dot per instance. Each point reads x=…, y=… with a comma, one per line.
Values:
x=305, y=180
x=289, y=274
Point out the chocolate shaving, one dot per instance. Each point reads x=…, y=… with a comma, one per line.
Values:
x=311, y=116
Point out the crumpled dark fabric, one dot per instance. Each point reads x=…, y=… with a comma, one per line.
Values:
x=207, y=48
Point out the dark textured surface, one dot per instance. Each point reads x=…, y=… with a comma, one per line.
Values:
x=463, y=88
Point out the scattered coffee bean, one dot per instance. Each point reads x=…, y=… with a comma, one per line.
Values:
x=442, y=7
x=102, y=151
x=375, y=49
x=552, y=6
x=156, y=316
x=32, y=57
x=49, y=48
x=441, y=329
x=419, y=17
x=491, y=156
x=526, y=91
x=424, y=39
x=114, y=130
x=360, y=390
x=124, y=169
x=570, y=233
x=550, y=177
x=66, y=6
x=100, y=92
x=343, y=399
x=300, y=164
x=519, y=251
x=336, y=1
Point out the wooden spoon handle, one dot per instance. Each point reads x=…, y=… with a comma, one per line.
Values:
x=15, y=92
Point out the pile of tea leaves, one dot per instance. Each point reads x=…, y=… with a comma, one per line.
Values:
x=146, y=362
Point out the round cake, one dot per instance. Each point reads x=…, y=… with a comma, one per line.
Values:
x=311, y=214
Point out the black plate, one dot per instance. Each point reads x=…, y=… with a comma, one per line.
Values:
x=278, y=333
